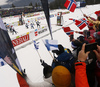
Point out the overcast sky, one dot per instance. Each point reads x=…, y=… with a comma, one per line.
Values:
x=3, y=2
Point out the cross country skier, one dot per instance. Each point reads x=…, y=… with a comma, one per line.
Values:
x=27, y=26
x=38, y=24
x=32, y=25
x=13, y=30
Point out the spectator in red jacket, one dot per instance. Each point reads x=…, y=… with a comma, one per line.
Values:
x=88, y=36
x=80, y=69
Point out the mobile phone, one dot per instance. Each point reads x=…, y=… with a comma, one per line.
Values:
x=91, y=46
x=88, y=34
x=71, y=37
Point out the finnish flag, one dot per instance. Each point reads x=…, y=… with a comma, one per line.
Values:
x=2, y=62
x=36, y=45
x=51, y=44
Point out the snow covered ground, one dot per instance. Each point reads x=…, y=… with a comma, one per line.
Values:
x=28, y=56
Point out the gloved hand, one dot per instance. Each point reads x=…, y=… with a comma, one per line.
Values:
x=41, y=61
x=24, y=73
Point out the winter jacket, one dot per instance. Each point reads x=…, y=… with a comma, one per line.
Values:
x=91, y=34
x=80, y=75
x=64, y=59
x=27, y=83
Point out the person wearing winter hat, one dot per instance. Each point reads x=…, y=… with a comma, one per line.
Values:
x=75, y=44
x=96, y=23
x=64, y=58
x=80, y=69
x=61, y=76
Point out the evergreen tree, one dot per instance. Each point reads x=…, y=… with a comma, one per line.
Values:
x=30, y=4
x=13, y=6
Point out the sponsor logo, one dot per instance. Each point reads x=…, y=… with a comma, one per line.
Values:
x=36, y=32
x=20, y=40
x=44, y=30
x=51, y=16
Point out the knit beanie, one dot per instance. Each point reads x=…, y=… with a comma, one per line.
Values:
x=81, y=38
x=61, y=76
x=47, y=71
x=75, y=44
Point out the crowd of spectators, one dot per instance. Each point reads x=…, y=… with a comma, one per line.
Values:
x=16, y=11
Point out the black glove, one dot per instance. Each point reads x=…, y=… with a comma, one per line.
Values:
x=43, y=63
x=41, y=60
x=24, y=73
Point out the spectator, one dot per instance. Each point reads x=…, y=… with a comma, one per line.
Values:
x=81, y=79
x=50, y=80
x=96, y=24
x=80, y=69
x=63, y=58
x=27, y=26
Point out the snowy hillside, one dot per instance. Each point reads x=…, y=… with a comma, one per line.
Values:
x=28, y=56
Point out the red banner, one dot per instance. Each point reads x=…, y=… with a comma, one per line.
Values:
x=20, y=40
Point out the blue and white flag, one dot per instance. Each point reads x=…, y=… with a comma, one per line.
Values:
x=2, y=62
x=51, y=44
x=36, y=45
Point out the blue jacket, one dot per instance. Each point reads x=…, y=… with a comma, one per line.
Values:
x=66, y=59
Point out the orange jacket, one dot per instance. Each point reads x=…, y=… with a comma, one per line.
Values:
x=80, y=75
x=22, y=81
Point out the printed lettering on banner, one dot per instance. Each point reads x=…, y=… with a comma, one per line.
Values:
x=20, y=40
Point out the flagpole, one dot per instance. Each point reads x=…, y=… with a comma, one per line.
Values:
x=81, y=10
x=38, y=54
x=35, y=45
x=49, y=52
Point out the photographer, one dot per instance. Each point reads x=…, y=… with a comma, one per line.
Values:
x=80, y=68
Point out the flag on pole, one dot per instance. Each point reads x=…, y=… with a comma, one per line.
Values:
x=51, y=44
x=2, y=62
x=36, y=45
x=80, y=23
x=7, y=52
x=46, y=11
x=70, y=5
x=97, y=13
x=68, y=31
